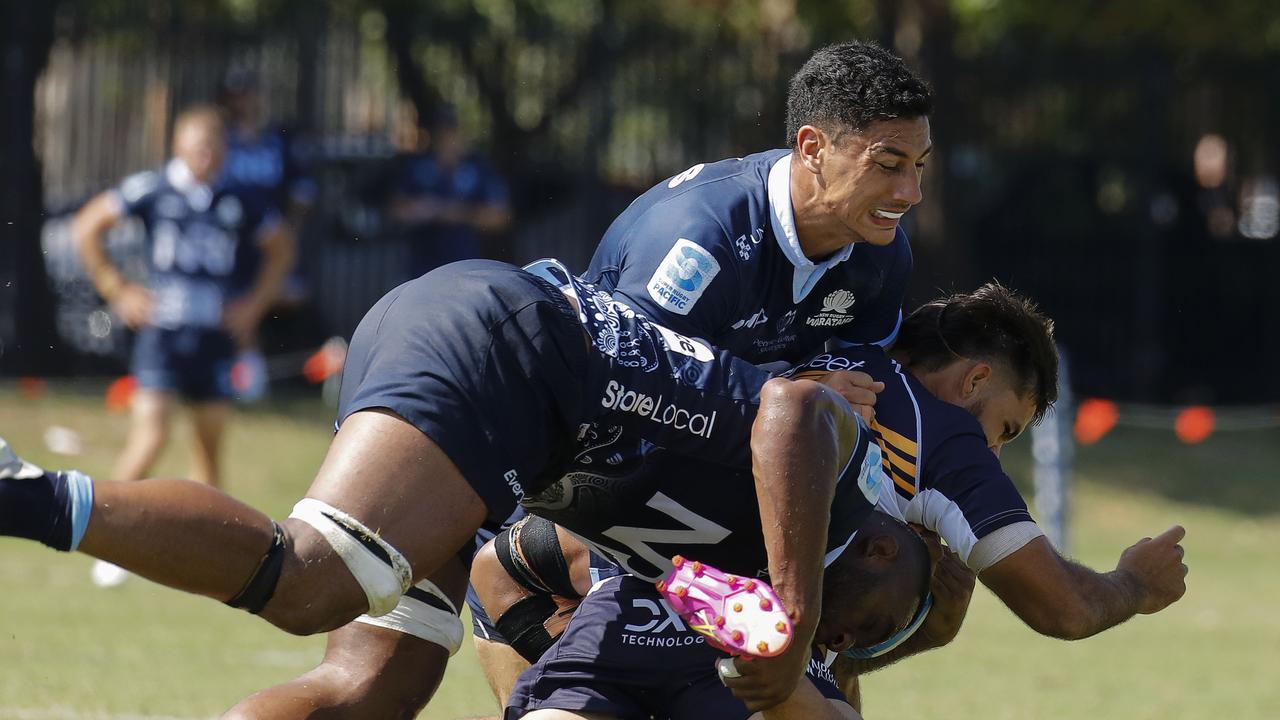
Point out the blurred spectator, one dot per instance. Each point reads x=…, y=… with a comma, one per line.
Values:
x=444, y=198
x=269, y=164
x=200, y=301
x=1212, y=163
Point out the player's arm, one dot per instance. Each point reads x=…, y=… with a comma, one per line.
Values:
x=242, y=315
x=803, y=435
x=1063, y=599
x=807, y=703
x=89, y=229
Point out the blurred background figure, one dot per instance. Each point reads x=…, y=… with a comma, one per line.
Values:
x=216, y=262
x=444, y=197
x=270, y=165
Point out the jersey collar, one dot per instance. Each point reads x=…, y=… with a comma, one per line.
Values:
x=783, y=219
x=197, y=193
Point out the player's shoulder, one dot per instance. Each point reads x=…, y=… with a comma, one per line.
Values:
x=138, y=186
x=942, y=422
x=870, y=359
x=718, y=195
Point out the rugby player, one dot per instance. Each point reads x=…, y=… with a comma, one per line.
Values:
x=768, y=256
x=464, y=393
x=965, y=376
x=201, y=298
x=626, y=654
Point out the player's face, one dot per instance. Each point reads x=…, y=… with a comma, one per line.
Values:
x=872, y=178
x=866, y=618
x=200, y=146
x=1003, y=413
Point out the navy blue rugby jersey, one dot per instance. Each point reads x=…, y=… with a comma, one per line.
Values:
x=713, y=253
x=271, y=166
x=200, y=243
x=944, y=475
x=639, y=506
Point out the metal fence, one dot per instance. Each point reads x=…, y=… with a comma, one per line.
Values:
x=1069, y=177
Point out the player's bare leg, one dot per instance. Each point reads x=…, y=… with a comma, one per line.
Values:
x=380, y=472
x=502, y=667
x=208, y=426
x=367, y=672
x=150, y=415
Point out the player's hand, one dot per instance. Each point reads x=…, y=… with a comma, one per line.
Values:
x=858, y=388
x=766, y=682
x=1156, y=564
x=952, y=589
x=132, y=302
x=240, y=318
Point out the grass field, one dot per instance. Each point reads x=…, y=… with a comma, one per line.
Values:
x=70, y=650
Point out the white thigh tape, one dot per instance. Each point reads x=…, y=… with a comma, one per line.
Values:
x=422, y=618
x=383, y=580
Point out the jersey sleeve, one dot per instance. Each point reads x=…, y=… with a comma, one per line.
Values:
x=968, y=498
x=673, y=390
x=673, y=263
x=136, y=193
x=880, y=325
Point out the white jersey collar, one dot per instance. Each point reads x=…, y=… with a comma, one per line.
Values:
x=182, y=180
x=783, y=219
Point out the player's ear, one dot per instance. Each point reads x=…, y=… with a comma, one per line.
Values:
x=810, y=141
x=881, y=548
x=975, y=379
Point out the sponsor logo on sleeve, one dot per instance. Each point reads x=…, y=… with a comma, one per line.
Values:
x=618, y=397
x=835, y=310
x=682, y=277
x=759, y=318
x=745, y=243
x=685, y=345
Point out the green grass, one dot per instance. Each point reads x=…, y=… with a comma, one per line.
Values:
x=69, y=650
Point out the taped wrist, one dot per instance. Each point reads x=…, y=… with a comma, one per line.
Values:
x=381, y=571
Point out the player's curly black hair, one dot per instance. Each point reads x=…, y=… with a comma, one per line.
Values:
x=850, y=85
x=993, y=324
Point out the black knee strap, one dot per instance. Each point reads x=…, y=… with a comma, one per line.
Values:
x=262, y=585
x=524, y=626
x=530, y=552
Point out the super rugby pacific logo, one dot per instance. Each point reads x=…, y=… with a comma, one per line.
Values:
x=682, y=277
x=618, y=397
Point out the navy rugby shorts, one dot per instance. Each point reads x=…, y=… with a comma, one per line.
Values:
x=485, y=359
x=627, y=655
x=195, y=363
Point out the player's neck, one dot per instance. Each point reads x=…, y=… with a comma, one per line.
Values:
x=819, y=231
